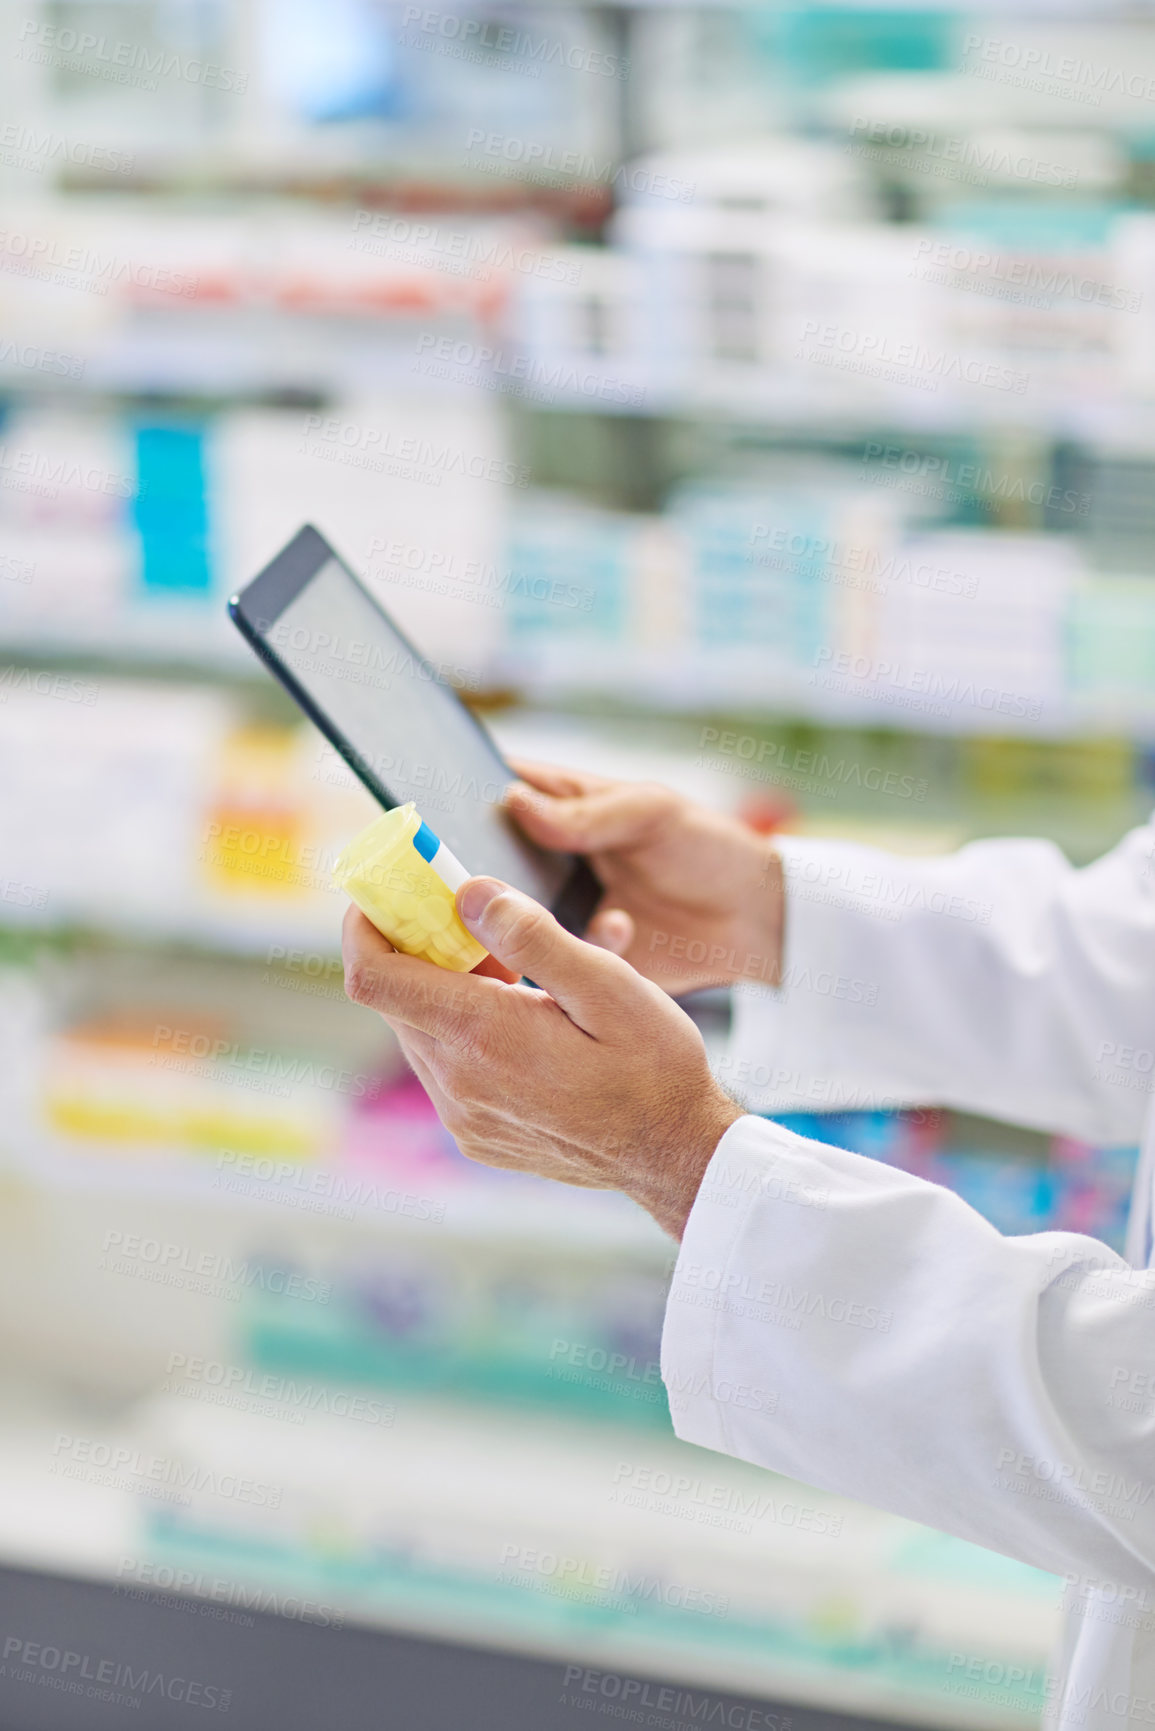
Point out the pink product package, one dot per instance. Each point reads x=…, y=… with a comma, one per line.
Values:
x=397, y=1131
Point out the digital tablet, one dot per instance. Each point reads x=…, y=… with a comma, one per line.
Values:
x=397, y=720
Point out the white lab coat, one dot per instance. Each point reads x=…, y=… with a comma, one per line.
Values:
x=870, y=1334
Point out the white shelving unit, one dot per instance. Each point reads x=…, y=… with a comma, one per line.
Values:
x=256, y=207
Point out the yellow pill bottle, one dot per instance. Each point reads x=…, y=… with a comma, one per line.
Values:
x=403, y=878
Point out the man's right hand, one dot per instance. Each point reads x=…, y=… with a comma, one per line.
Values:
x=692, y=898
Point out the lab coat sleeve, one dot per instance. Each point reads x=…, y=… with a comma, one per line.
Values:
x=869, y=1334
x=997, y=980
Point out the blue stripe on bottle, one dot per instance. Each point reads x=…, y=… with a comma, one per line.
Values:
x=426, y=842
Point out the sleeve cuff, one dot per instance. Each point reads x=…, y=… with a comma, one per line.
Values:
x=797, y=1048
x=753, y=1161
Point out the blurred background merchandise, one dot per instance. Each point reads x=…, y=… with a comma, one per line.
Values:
x=757, y=397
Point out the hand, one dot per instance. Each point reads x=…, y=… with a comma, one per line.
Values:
x=693, y=898
x=596, y=1080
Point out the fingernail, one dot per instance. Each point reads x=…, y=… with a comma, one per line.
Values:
x=518, y=794
x=476, y=897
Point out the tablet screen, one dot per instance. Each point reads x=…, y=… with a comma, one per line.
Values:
x=406, y=725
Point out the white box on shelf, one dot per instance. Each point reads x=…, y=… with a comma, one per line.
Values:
x=409, y=488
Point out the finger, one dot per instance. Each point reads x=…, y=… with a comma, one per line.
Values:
x=552, y=778
x=410, y=992
x=581, y=978
x=354, y=933
x=421, y=1065
x=619, y=814
x=612, y=929
x=418, y=1048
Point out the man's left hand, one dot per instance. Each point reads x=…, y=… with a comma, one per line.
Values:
x=596, y=1078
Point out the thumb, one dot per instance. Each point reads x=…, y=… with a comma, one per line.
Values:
x=525, y=936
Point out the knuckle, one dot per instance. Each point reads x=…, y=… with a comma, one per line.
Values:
x=455, y=1076
x=519, y=926
x=443, y=1067
x=456, y=1118
x=479, y=1045
x=660, y=800
x=577, y=818
x=360, y=981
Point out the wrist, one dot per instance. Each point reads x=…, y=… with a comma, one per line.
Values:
x=667, y=1185
x=757, y=956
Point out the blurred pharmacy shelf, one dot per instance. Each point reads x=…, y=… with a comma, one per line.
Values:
x=209, y=829
x=363, y=1151
x=821, y=589
x=884, y=695
x=366, y=1203
x=453, y=1522
x=757, y=399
